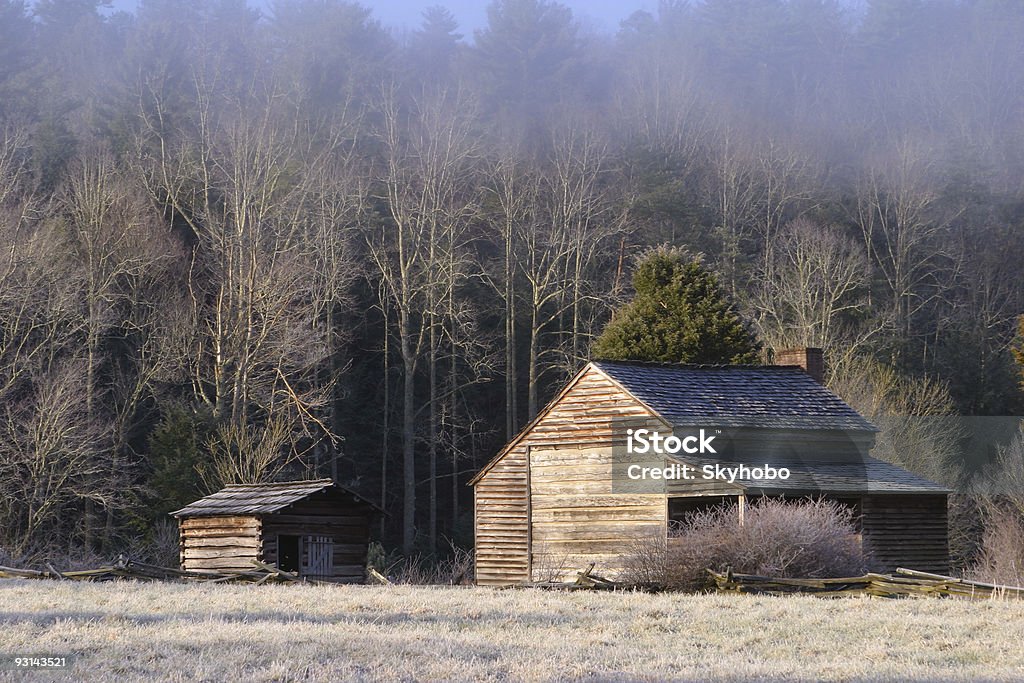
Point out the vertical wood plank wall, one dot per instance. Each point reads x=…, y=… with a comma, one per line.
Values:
x=582, y=416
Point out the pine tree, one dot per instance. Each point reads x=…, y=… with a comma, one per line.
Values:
x=679, y=315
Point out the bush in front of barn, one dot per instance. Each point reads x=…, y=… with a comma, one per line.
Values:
x=779, y=538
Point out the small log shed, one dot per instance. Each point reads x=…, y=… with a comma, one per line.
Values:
x=315, y=528
x=547, y=505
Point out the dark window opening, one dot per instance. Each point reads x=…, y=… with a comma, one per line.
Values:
x=680, y=510
x=288, y=553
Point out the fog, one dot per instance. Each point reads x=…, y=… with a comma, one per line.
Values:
x=470, y=14
x=317, y=238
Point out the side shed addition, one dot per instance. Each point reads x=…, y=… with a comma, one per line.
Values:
x=315, y=528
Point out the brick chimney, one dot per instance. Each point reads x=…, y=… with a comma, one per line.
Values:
x=810, y=359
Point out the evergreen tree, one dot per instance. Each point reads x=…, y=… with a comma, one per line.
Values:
x=679, y=315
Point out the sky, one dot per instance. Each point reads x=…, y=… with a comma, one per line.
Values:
x=604, y=15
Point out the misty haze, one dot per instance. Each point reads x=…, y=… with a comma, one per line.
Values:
x=302, y=239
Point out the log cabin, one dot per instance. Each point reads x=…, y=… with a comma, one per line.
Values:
x=556, y=498
x=314, y=528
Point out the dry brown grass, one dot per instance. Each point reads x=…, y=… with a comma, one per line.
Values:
x=172, y=632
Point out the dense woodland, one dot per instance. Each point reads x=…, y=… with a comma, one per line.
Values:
x=242, y=246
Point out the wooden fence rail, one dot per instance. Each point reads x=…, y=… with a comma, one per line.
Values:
x=130, y=569
x=906, y=582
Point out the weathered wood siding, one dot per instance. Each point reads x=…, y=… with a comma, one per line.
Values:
x=220, y=543
x=582, y=415
x=681, y=488
x=908, y=531
x=346, y=523
x=578, y=517
x=502, y=525
x=231, y=543
x=349, y=534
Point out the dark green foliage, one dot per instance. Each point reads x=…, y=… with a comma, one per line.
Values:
x=176, y=450
x=436, y=43
x=679, y=315
x=16, y=35
x=527, y=54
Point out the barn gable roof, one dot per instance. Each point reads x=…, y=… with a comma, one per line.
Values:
x=753, y=396
x=260, y=499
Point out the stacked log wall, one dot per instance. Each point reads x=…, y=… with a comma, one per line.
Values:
x=220, y=543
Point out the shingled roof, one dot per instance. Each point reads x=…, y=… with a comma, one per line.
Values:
x=767, y=396
x=258, y=499
x=867, y=475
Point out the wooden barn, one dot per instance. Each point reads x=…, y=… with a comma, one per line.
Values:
x=552, y=501
x=315, y=528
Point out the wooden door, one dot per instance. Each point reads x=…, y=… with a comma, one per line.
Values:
x=319, y=556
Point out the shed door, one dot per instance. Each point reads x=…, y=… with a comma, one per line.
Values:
x=288, y=553
x=320, y=556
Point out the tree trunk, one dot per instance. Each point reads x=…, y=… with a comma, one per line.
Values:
x=408, y=434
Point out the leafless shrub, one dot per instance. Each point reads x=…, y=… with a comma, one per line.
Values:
x=454, y=569
x=548, y=567
x=807, y=538
x=646, y=563
x=1002, y=546
x=1001, y=557
x=160, y=548
x=966, y=530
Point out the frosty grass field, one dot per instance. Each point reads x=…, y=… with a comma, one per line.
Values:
x=172, y=632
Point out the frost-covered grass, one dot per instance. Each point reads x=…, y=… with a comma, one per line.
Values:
x=173, y=632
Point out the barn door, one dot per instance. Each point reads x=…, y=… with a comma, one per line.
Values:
x=319, y=556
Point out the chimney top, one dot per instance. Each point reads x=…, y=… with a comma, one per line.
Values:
x=811, y=359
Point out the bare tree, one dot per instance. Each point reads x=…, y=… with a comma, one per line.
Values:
x=112, y=242
x=590, y=202
x=243, y=174
x=510, y=201
x=913, y=415
x=244, y=454
x=49, y=456
x=815, y=292
x=428, y=155
x=905, y=231
x=737, y=194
